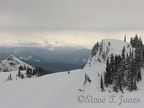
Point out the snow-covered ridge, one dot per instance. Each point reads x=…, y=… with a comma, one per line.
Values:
x=106, y=47
x=96, y=63
x=116, y=46
x=12, y=63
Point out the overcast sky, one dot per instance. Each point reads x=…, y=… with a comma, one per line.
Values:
x=80, y=22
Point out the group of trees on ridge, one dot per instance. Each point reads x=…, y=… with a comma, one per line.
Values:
x=122, y=71
x=36, y=72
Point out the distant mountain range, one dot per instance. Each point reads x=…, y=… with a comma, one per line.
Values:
x=50, y=58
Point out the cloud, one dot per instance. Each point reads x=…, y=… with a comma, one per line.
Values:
x=69, y=22
x=62, y=38
x=71, y=15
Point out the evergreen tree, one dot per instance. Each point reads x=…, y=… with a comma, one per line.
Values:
x=101, y=84
x=34, y=72
x=101, y=48
x=29, y=72
x=134, y=85
x=132, y=42
x=24, y=67
x=127, y=71
x=136, y=40
x=109, y=44
x=22, y=76
x=122, y=69
x=120, y=84
x=10, y=77
x=104, y=56
x=123, y=53
x=112, y=68
x=143, y=55
x=88, y=79
x=107, y=74
x=133, y=74
x=19, y=73
x=115, y=88
x=116, y=74
x=107, y=51
x=139, y=77
x=125, y=38
x=95, y=49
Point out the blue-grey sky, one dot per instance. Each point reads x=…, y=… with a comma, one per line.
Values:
x=81, y=22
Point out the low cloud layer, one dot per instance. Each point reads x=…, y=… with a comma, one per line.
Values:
x=63, y=22
x=61, y=38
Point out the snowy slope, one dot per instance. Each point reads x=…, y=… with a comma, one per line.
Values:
x=59, y=90
x=63, y=90
x=12, y=63
x=96, y=64
x=35, y=92
x=4, y=76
